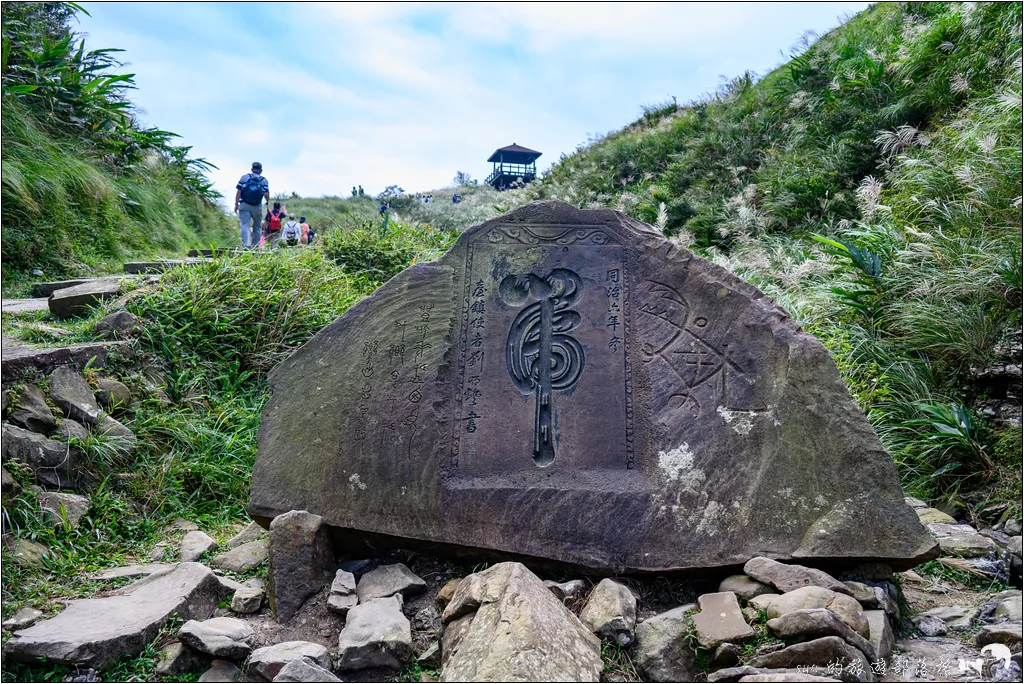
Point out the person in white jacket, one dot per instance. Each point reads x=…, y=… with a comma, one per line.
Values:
x=292, y=231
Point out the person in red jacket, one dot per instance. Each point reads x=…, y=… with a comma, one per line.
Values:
x=272, y=224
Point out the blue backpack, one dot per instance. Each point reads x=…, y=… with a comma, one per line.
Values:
x=252, y=193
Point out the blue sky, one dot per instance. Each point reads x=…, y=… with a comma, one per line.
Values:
x=330, y=95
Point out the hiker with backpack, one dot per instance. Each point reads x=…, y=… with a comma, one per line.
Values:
x=252, y=188
x=291, y=231
x=272, y=224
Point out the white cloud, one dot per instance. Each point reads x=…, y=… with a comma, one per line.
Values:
x=379, y=94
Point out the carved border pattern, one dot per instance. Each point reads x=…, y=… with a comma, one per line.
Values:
x=528, y=235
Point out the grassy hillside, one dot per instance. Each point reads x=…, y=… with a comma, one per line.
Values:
x=872, y=186
x=84, y=185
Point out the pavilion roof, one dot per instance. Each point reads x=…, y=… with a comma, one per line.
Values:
x=514, y=154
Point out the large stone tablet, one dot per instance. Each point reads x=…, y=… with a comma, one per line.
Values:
x=569, y=385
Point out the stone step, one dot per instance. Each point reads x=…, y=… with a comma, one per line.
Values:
x=18, y=359
x=161, y=265
x=48, y=288
x=212, y=252
x=24, y=305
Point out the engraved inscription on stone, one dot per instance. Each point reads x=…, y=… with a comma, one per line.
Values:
x=541, y=355
x=544, y=339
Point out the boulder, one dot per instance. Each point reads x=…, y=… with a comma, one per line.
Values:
x=59, y=508
x=268, y=661
x=376, y=634
x=111, y=393
x=961, y=540
x=786, y=578
x=761, y=602
x=388, y=580
x=720, y=620
x=117, y=326
x=343, y=593
x=242, y=558
x=1006, y=633
x=76, y=300
x=813, y=623
x=70, y=430
x=10, y=485
x=221, y=671
x=430, y=659
x=661, y=653
x=671, y=380
x=96, y=632
x=72, y=395
x=194, y=544
x=178, y=659
x=51, y=462
x=123, y=439
x=610, y=612
x=819, y=652
x=246, y=600
x=880, y=633
x=25, y=617
x=744, y=587
x=304, y=670
x=33, y=413
x=301, y=561
x=221, y=637
x=846, y=607
x=1009, y=609
x=30, y=553
x=726, y=655
x=511, y=628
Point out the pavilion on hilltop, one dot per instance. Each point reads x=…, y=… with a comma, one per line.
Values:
x=511, y=164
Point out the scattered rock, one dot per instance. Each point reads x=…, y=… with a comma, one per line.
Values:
x=242, y=558
x=430, y=659
x=194, y=544
x=117, y=326
x=426, y=620
x=95, y=632
x=112, y=394
x=181, y=525
x=178, y=659
x=567, y=590
x=610, y=612
x=761, y=602
x=512, y=628
x=720, y=620
x=10, y=485
x=246, y=600
x=961, y=540
x=1006, y=633
x=1013, y=527
x=813, y=623
x=26, y=617
x=33, y=413
x=846, y=607
x=59, y=508
x=343, y=593
x=744, y=587
x=71, y=429
x=72, y=394
x=786, y=577
x=268, y=661
x=880, y=633
x=221, y=671
x=446, y=592
x=51, y=462
x=76, y=300
x=159, y=552
x=252, y=532
x=87, y=674
x=304, y=670
x=818, y=652
x=358, y=567
x=726, y=655
x=1010, y=609
x=376, y=634
x=221, y=637
x=301, y=561
x=388, y=580
x=130, y=571
x=26, y=552
x=933, y=515
x=124, y=439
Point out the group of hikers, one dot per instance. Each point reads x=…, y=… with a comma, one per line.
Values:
x=274, y=229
